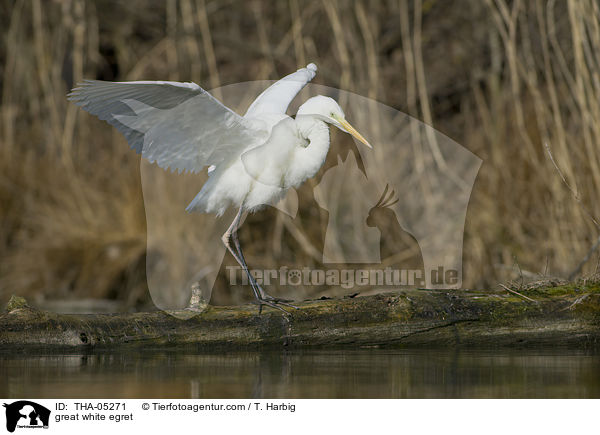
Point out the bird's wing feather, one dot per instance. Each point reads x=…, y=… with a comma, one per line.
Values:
x=269, y=163
x=178, y=125
x=277, y=97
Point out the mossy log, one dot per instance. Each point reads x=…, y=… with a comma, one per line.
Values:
x=561, y=315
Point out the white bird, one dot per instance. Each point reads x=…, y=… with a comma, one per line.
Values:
x=253, y=160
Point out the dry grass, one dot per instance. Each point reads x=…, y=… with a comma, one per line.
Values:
x=501, y=78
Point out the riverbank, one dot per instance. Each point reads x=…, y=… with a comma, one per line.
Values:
x=562, y=315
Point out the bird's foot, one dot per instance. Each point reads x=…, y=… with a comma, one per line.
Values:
x=280, y=301
x=262, y=298
x=274, y=303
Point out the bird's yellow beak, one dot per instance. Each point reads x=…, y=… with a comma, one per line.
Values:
x=353, y=131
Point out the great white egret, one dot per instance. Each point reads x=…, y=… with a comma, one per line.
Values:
x=253, y=160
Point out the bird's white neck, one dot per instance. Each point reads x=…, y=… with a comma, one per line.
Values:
x=314, y=130
x=311, y=158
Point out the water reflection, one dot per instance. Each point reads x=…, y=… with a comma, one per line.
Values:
x=368, y=373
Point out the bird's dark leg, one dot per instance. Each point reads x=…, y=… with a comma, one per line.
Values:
x=264, y=296
x=261, y=296
x=238, y=250
x=227, y=238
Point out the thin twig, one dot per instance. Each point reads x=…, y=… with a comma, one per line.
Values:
x=576, y=302
x=207, y=42
x=587, y=257
x=517, y=293
x=573, y=192
x=520, y=272
x=596, y=245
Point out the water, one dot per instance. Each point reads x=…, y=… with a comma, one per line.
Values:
x=367, y=373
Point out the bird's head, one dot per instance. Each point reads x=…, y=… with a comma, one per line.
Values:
x=328, y=110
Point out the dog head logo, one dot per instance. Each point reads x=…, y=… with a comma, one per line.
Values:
x=26, y=414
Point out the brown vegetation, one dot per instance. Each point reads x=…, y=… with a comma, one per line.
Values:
x=502, y=78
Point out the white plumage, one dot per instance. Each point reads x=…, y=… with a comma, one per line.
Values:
x=253, y=160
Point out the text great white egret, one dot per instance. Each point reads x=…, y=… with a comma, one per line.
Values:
x=253, y=159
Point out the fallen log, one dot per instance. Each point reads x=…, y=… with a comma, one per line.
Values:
x=563, y=315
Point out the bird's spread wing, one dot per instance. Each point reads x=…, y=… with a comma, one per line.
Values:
x=277, y=97
x=179, y=126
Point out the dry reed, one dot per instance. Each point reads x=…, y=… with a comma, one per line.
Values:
x=500, y=77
